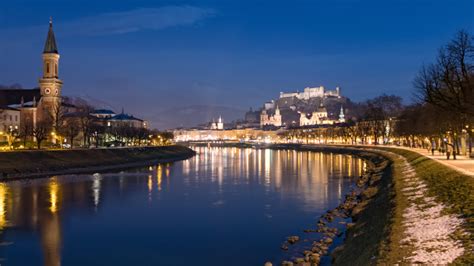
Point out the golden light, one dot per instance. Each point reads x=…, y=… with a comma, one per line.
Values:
x=150, y=183
x=53, y=196
x=3, y=209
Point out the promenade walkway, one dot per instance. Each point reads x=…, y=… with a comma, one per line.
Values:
x=462, y=163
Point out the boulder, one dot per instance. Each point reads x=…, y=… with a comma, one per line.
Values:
x=293, y=239
x=328, y=241
x=315, y=258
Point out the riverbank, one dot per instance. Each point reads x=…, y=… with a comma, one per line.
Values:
x=412, y=210
x=365, y=213
x=434, y=216
x=39, y=163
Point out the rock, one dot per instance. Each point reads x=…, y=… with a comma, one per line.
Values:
x=293, y=239
x=287, y=263
x=328, y=241
x=330, y=234
x=268, y=264
x=350, y=225
x=299, y=261
x=315, y=258
x=284, y=247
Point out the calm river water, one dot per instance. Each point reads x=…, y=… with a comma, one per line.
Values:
x=225, y=206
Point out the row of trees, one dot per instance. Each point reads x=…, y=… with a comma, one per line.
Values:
x=442, y=114
x=445, y=96
x=71, y=122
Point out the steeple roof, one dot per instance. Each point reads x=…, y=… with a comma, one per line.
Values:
x=50, y=45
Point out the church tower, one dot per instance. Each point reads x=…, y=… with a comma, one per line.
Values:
x=50, y=84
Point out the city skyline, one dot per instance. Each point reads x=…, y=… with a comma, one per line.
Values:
x=224, y=132
x=175, y=54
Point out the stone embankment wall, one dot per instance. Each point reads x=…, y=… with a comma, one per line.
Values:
x=27, y=164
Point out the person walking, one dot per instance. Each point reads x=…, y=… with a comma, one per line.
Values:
x=448, y=150
x=433, y=147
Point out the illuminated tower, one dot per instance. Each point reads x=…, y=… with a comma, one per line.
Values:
x=220, y=123
x=277, y=117
x=50, y=84
x=342, y=118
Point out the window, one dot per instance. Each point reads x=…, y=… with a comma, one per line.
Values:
x=16, y=118
x=56, y=69
x=47, y=67
x=11, y=119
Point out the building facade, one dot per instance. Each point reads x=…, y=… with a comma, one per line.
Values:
x=270, y=120
x=312, y=92
x=28, y=107
x=320, y=117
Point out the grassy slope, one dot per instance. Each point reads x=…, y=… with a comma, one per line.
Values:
x=378, y=230
x=22, y=162
x=448, y=186
x=366, y=240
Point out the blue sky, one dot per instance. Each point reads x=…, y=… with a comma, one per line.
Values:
x=150, y=56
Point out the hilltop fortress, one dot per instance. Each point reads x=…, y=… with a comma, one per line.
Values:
x=314, y=92
x=314, y=106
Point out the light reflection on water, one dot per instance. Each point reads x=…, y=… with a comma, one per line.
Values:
x=223, y=203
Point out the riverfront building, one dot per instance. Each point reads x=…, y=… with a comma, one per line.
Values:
x=23, y=110
x=36, y=105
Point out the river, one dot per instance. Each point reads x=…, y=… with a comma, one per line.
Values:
x=225, y=206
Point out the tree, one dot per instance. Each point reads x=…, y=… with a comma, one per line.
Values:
x=379, y=116
x=141, y=134
x=98, y=132
x=40, y=132
x=71, y=129
x=86, y=121
x=448, y=84
x=26, y=131
x=56, y=114
x=11, y=135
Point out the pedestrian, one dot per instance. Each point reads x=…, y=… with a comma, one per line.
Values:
x=433, y=146
x=448, y=150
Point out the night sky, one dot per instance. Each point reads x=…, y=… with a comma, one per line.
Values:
x=160, y=57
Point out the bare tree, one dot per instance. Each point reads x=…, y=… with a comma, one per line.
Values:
x=40, y=132
x=71, y=129
x=448, y=85
x=57, y=115
x=26, y=131
x=86, y=121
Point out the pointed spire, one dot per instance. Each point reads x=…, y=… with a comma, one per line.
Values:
x=50, y=45
x=22, y=102
x=341, y=115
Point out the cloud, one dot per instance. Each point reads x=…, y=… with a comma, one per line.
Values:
x=117, y=22
x=138, y=20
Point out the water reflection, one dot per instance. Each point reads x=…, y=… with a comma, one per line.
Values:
x=40, y=208
x=286, y=171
